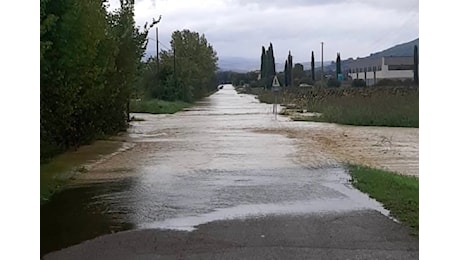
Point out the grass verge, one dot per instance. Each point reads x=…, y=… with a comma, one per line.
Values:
x=370, y=106
x=398, y=193
x=378, y=110
x=156, y=106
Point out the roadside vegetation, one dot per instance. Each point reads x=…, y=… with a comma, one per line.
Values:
x=158, y=106
x=398, y=193
x=89, y=60
x=368, y=106
x=92, y=64
x=338, y=99
x=92, y=67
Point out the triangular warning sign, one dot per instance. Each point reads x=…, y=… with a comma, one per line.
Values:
x=275, y=82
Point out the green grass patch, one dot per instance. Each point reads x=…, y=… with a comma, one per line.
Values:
x=156, y=106
x=378, y=110
x=369, y=106
x=398, y=193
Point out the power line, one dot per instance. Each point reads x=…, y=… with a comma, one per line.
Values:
x=162, y=44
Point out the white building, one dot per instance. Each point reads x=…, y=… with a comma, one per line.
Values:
x=374, y=69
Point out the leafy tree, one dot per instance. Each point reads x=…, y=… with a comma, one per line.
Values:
x=224, y=77
x=298, y=74
x=132, y=44
x=244, y=78
x=89, y=62
x=187, y=71
x=72, y=70
x=47, y=22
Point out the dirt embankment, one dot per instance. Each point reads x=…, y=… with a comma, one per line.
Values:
x=389, y=148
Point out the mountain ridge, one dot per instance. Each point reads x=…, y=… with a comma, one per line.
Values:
x=403, y=49
x=239, y=64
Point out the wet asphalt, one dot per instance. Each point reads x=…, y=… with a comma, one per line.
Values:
x=207, y=183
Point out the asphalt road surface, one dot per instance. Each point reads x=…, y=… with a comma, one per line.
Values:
x=212, y=183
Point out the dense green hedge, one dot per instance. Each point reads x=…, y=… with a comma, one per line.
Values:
x=89, y=63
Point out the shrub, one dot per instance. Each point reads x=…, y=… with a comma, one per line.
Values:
x=333, y=83
x=395, y=82
x=389, y=82
x=358, y=83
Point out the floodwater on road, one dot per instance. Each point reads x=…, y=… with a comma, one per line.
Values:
x=227, y=157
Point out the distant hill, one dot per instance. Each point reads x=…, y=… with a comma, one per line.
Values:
x=238, y=64
x=404, y=49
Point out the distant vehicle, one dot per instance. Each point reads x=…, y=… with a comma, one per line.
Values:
x=305, y=85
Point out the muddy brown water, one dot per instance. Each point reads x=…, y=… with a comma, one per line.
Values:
x=227, y=157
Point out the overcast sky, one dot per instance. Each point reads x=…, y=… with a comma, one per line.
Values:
x=239, y=28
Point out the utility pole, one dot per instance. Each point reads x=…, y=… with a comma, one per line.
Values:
x=322, y=67
x=174, y=55
x=158, y=57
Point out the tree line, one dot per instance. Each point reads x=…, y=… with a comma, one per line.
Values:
x=294, y=74
x=187, y=70
x=91, y=66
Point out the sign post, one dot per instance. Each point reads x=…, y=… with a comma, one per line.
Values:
x=276, y=89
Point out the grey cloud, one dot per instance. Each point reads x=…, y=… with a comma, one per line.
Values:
x=285, y=3
x=401, y=5
x=239, y=29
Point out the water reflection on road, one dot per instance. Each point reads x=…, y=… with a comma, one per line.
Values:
x=211, y=162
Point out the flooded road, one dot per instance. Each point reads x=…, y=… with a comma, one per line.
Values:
x=226, y=158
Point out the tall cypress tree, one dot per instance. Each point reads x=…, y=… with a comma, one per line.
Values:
x=267, y=65
x=272, y=70
x=312, y=66
x=338, y=66
x=416, y=64
x=286, y=81
x=290, y=68
x=267, y=68
x=262, y=63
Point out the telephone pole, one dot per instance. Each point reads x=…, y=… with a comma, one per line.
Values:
x=322, y=67
x=158, y=57
x=175, y=76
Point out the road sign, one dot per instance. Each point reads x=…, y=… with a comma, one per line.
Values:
x=276, y=89
x=275, y=85
x=275, y=82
